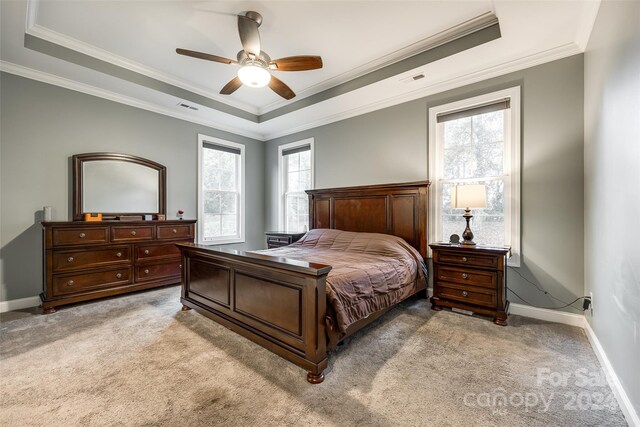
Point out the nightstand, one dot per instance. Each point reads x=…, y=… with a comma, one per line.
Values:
x=471, y=278
x=275, y=239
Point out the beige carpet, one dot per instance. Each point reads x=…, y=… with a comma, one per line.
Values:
x=139, y=361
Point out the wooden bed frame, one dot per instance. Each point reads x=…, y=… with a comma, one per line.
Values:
x=281, y=303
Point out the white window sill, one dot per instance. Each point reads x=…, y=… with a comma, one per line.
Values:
x=221, y=241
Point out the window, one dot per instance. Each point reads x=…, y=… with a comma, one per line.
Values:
x=296, y=175
x=220, y=191
x=477, y=141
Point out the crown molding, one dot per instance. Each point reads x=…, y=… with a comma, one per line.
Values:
x=563, y=51
x=470, y=26
x=51, y=79
x=37, y=30
x=586, y=24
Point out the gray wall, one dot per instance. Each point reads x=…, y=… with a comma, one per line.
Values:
x=43, y=125
x=612, y=187
x=390, y=145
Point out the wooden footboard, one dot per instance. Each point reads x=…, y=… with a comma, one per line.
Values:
x=276, y=302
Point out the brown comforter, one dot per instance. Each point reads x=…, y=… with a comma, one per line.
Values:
x=370, y=271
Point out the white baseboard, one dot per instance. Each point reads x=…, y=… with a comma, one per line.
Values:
x=548, y=315
x=18, y=304
x=621, y=396
x=580, y=321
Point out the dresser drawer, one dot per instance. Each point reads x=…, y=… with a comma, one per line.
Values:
x=68, y=284
x=125, y=234
x=166, y=232
x=475, y=260
x=80, y=236
x=157, y=251
x=463, y=294
x=485, y=279
x=159, y=271
x=78, y=259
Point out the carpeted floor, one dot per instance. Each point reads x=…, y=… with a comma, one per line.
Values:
x=140, y=361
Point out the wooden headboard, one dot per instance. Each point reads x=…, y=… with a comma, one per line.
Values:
x=398, y=209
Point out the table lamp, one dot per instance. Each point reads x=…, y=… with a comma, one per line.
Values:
x=467, y=197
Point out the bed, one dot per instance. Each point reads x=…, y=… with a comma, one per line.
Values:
x=289, y=300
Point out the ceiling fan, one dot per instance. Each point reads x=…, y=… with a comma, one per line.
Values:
x=254, y=63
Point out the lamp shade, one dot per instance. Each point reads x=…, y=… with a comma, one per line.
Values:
x=254, y=76
x=469, y=196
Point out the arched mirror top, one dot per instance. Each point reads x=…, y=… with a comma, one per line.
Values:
x=117, y=184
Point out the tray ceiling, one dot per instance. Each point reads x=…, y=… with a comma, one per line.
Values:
x=353, y=37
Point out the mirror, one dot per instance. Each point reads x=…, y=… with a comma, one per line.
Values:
x=117, y=184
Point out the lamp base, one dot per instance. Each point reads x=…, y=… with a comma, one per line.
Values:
x=467, y=235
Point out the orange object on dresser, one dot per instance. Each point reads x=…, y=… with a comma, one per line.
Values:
x=93, y=217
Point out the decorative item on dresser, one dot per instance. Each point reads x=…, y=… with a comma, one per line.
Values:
x=88, y=260
x=276, y=239
x=471, y=278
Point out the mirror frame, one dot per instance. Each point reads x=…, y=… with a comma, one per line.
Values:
x=78, y=161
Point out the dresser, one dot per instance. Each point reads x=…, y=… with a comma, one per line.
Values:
x=276, y=239
x=471, y=278
x=88, y=260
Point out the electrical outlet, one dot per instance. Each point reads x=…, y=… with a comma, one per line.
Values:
x=591, y=306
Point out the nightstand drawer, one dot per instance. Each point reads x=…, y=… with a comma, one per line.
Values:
x=475, y=260
x=278, y=240
x=463, y=294
x=485, y=279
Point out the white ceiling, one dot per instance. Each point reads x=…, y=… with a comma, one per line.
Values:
x=353, y=37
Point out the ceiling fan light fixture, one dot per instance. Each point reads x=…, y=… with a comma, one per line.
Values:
x=254, y=76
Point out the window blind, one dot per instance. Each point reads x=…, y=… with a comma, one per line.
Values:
x=489, y=107
x=295, y=150
x=224, y=148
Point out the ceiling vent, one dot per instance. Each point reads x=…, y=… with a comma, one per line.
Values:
x=413, y=78
x=183, y=104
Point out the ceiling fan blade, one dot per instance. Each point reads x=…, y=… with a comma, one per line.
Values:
x=206, y=56
x=297, y=63
x=231, y=87
x=249, y=35
x=280, y=88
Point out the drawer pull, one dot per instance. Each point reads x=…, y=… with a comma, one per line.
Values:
x=82, y=235
x=180, y=266
x=146, y=271
x=175, y=231
x=146, y=251
x=119, y=276
x=119, y=254
x=465, y=276
x=464, y=259
x=70, y=259
x=465, y=293
x=70, y=283
x=133, y=233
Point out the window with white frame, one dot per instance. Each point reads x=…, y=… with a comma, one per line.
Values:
x=477, y=141
x=295, y=163
x=220, y=191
